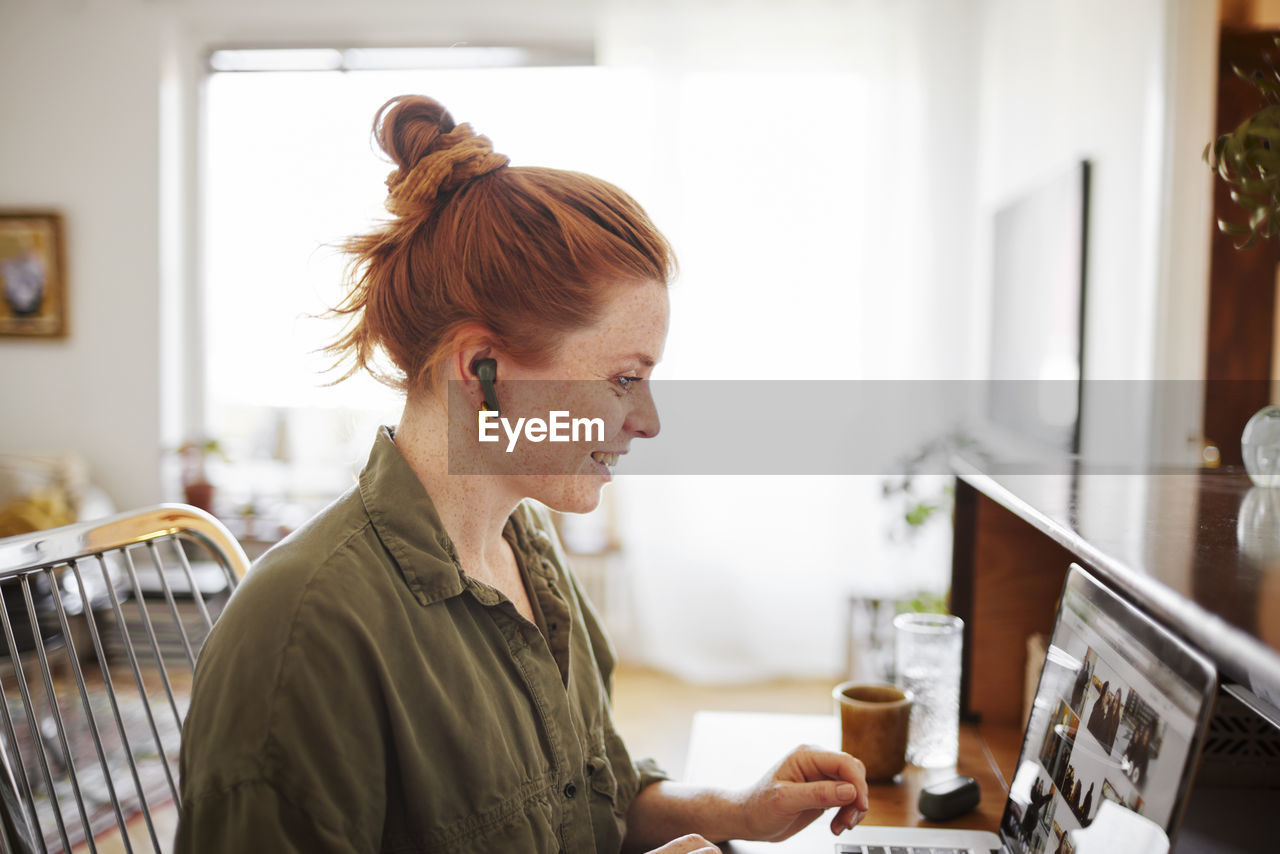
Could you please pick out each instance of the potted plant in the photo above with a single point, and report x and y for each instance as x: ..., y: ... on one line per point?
x: 197, y: 489
x: 1248, y: 160
x: 916, y: 506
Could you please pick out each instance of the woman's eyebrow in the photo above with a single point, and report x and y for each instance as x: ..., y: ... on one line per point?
x: 645, y: 361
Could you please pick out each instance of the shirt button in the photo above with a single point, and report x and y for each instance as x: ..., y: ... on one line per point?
x: 570, y: 790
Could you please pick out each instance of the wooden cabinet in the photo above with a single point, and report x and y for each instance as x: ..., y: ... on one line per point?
x: 1199, y: 551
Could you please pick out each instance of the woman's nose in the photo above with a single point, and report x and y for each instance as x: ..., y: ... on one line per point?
x: 642, y: 420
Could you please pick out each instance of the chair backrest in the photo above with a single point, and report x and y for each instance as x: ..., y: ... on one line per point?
x: 100, y: 624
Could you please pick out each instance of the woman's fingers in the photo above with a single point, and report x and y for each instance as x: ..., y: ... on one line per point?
x: 847, y: 818
x: 691, y: 844
x: 795, y: 798
x: 816, y: 763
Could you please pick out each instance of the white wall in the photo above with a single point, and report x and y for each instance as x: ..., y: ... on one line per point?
x: 80, y: 107
x: 85, y: 85
x: 1128, y: 86
x: 1131, y: 87
x: 1065, y: 81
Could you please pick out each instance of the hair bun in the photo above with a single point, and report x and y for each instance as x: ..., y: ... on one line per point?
x: 433, y: 155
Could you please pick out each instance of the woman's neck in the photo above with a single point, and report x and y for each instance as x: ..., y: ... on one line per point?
x: 473, y: 509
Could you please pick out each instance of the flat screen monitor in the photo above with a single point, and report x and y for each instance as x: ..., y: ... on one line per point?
x: 1037, y: 312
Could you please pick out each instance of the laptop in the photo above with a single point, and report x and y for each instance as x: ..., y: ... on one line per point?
x: 1119, y: 715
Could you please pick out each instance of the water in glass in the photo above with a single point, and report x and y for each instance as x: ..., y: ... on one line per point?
x: 928, y: 652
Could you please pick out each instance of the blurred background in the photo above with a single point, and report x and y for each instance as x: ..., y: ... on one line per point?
x: 828, y: 171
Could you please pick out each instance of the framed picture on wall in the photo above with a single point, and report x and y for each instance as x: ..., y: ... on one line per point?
x: 33, y: 293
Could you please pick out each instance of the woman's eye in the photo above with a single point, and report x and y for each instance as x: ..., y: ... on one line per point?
x: 625, y: 383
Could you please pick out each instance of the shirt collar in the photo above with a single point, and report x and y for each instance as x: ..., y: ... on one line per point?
x: 406, y: 522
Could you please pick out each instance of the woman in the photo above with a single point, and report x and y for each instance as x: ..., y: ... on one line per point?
x: 415, y: 669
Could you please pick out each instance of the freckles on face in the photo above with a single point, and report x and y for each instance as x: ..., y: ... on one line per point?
x: 634, y: 323
x: 622, y: 350
x: 607, y: 367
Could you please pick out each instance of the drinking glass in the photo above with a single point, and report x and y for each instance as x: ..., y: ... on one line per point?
x: 928, y: 665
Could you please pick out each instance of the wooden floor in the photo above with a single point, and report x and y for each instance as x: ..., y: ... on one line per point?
x: 652, y: 710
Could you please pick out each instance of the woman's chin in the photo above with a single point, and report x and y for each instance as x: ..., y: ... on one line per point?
x: 584, y: 503
x: 581, y: 495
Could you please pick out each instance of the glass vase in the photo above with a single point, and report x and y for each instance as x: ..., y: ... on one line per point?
x: 1260, y: 447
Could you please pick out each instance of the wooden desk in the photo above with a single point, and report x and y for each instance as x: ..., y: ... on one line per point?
x: 731, y: 749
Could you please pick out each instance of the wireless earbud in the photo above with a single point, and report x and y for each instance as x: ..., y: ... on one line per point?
x: 486, y: 370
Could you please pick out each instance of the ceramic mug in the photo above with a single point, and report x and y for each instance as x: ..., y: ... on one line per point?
x: 874, y: 723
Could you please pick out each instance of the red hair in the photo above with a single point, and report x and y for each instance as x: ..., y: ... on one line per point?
x: 523, y: 252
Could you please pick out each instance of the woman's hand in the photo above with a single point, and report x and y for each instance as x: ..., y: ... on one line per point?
x: 806, y: 783
x: 797, y: 790
x: 691, y: 844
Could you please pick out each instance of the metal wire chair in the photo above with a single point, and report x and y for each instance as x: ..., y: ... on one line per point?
x: 101, y: 623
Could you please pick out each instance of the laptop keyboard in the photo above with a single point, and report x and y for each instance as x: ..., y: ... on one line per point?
x: 896, y: 849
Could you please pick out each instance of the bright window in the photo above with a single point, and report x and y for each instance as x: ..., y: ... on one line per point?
x: 289, y: 172
x: 753, y: 176
x: 803, y: 251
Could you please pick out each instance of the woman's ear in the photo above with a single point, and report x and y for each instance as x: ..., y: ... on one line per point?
x: 473, y: 364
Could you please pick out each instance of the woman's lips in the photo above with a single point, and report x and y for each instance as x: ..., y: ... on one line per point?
x: 605, y: 461
x: 605, y: 458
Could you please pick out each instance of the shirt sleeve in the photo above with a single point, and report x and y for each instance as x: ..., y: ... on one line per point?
x: 649, y: 773
x: 283, y: 748
x: 254, y: 813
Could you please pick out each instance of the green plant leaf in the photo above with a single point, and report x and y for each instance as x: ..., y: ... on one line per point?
x: 1265, y: 86
x: 1253, y: 186
x: 1267, y: 132
x: 919, y: 514
x: 924, y: 603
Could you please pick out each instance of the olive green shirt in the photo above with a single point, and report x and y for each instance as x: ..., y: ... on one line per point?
x: 361, y: 693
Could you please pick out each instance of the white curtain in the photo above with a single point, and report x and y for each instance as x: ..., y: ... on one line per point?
x: 815, y: 175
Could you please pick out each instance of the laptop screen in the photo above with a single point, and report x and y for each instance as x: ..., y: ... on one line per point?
x: 1119, y: 714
